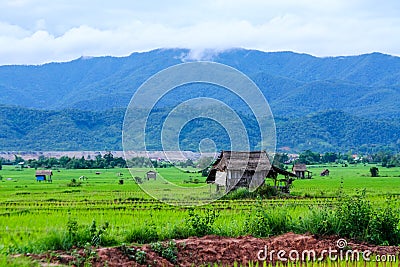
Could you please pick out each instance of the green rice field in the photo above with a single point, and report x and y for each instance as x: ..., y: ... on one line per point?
x: 31, y: 211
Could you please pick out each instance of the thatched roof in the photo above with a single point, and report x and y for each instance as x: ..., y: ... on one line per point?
x: 256, y: 161
x: 238, y: 160
x: 44, y: 172
x: 300, y: 167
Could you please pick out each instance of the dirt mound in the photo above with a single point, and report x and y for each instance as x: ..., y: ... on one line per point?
x: 196, y: 251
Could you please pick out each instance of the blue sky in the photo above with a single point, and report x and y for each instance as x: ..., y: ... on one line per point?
x: 40, y: 31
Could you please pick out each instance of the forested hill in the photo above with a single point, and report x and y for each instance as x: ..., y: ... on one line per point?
x: 323, y: 104
x: 23, y: 129
x: 294, y: 84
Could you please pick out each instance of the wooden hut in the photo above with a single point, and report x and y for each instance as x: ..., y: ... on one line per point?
x: 44, y: 175
x: 282, y: 184
x: 301, y: 171
x: 151, y: 175
x: 234, y: 169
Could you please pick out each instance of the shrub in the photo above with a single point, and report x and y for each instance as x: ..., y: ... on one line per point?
x: 354, y: 214
x: 74, y: 183
x: 138, y: 180
x: 374, y: 171
x: 263, y: 223
x: 239, y: 193
x: 264, y: 191
x: 320, y: 222
x: 167, y: 250
x: 143, y: 235
x: 384, y: 225
x: 257, y: 224
x: 267, y: 191
x: 134, y: 254
x: 180, y: 231
x: 201, y: 224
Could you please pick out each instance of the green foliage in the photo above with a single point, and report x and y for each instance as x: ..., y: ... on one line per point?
x: 384, y: 228
x: 83, y: 236
x: 37, y: 222
x: 168, y: 250
x: 187, y: 163
x: 201, y: 223
x: 85, y: 259
x: 141, y: 162
x: 263, y: 222
x: 355, y: 214
x: 309, y: 157
x: 147, y: 233
x: 107, y: 161
x: 20, y: 261
x: 204, y: 162
x: 137, y: 255
x: 263, y: 191
x: 300, y: 133
x: 266, y: 191
x: 74, y: 183
x: 319, y: 221
x: 374, y: 171
x: 240, y: 193
x: 96, y: 234
x: 138, y: 180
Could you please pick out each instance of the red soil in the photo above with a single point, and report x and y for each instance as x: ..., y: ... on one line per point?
x: 196, y: 251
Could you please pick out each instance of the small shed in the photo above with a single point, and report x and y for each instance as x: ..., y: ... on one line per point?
x: 21, y: 165
x: 301, y: 171
x: 151, y: 175
x: 233, y: 169
x: 325, y: 172
x: 44, y: 175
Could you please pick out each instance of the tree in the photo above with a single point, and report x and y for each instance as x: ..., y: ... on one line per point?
x: 329, y: 157
x: 18, y: 159
x: 204, y: 162
x: 109, y: 160
x: 309, y: 157
x: 280, y: 159
x: 1, y: 164
x: 189, y: 163
x: 374, y: 171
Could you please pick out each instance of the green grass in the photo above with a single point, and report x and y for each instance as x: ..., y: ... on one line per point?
x: 35, y: 212
x: 350, y: 179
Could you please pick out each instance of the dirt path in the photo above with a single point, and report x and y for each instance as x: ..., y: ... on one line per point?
x: 196, y: 251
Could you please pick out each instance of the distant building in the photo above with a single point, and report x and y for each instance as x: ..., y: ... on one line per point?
x: 151, y: 175
x: 301, y: 171
x: 44, y: 175
x: 325, y: 172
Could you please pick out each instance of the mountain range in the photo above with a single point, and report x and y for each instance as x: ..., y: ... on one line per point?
x: 331, y: 103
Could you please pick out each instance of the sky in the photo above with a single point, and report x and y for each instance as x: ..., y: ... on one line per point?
x: 42, y: 31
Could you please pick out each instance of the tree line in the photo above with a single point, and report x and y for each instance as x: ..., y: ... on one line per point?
x: 99, y: 162
x: 386, y: 158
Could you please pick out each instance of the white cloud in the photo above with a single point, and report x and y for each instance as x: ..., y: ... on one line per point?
x: 33, y: 33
